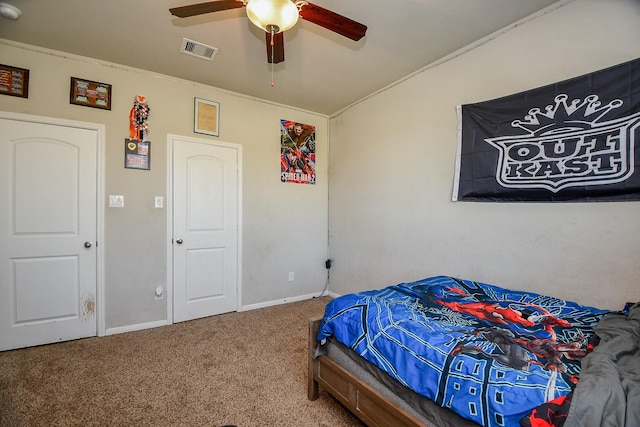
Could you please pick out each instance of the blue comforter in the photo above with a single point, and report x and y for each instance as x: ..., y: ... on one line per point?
x: 488, y: 353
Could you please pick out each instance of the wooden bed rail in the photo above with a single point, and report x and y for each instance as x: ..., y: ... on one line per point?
x: 312, y: 383
x: 367, y: 403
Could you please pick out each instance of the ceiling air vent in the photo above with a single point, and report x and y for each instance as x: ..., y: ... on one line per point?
x: 200, y: 50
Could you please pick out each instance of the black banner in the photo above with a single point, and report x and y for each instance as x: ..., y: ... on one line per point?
x: 577, y: 140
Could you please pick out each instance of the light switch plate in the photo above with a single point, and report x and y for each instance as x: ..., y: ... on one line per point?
x: 159, y: 202
x: 116, y: 201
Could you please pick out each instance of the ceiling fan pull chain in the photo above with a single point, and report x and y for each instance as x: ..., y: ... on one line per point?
x: 272, y: 57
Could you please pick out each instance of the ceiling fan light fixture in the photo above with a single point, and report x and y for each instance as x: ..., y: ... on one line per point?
x: 276, y: 15
x: 9, y: 11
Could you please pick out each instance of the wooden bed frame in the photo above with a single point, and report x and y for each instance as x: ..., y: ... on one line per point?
x: 367, y: 403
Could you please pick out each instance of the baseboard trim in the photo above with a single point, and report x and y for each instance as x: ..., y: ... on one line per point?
x: 136, y: 327
x: 158, y: 323
x: 280, y: 301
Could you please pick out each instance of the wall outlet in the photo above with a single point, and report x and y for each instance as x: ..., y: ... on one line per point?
x: 291, y: 276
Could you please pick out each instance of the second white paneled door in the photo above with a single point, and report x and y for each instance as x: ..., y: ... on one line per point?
x: 205, y: 211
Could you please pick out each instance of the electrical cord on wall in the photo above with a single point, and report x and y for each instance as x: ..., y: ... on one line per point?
x: 326, y: 285
x: 328, y: 263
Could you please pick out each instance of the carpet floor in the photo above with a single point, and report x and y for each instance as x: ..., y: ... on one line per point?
x: 244, y: 369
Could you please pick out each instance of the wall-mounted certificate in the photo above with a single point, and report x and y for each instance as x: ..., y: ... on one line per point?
x: 14, y: 81
x: 90, y: 94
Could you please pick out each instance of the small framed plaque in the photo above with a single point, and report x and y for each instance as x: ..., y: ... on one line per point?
x: 90, y: 94
x: 206, y: 117
x: 14, y: 81
x: 137, y: 154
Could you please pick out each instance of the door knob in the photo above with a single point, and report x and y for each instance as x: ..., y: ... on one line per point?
x: 179, y: 241
x: 87, y: 245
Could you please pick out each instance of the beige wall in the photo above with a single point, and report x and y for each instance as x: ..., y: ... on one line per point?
x: 392, y: 169
x: 391, y: 217
x: 284, y: 225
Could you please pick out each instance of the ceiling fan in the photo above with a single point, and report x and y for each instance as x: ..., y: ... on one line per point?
x: 277, y: 16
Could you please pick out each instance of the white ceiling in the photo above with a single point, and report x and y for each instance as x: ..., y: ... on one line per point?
x: 323, y: 72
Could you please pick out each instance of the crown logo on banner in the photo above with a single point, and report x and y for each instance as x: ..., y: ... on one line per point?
x: 568, y: 144
x: 580, y: 114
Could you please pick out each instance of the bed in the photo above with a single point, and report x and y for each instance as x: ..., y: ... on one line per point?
x: 450, y: 352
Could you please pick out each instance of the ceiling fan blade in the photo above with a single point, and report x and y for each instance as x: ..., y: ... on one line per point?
x: 332, y: 21
x: 206, y: 7
x: 276, y: 55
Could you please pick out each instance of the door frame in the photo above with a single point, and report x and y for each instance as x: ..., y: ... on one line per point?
x: 100, y: 191
x: 169, y: 210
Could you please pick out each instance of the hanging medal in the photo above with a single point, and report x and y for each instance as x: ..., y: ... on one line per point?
x: 137, y: 150
x: 139, y: 118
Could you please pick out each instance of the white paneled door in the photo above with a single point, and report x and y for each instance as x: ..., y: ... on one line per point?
x: 48, y: 229
x: 206, y: 194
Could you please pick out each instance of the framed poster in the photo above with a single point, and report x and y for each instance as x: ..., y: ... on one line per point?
x: 137, y: 154
x: 14, y: 81
x: 297, y: 152
x: 206, y: 117
x: 90, y: 94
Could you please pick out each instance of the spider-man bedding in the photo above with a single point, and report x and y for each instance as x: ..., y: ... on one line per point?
x: 488, y: 353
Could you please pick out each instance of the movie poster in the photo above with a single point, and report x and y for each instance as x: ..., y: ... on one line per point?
x: 297, y: 152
